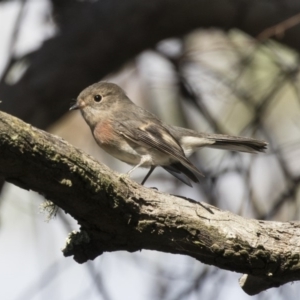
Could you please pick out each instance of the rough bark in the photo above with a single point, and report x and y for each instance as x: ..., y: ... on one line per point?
x: 116, y: 213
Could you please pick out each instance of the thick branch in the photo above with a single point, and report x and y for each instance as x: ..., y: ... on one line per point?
x: 118, y: 214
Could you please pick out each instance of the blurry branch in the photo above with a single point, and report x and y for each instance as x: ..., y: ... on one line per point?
x: 116, y: 213
x: 280, y: 29
x: 14, y: 38
x: 106, y: 35
x: 286, y: 75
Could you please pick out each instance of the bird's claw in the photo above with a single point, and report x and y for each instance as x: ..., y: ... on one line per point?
x: 122, y: 177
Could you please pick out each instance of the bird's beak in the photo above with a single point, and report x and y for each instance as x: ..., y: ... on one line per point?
x: 75, y: 106
x: 79, y: 104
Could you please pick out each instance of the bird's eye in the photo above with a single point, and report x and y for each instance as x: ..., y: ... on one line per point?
x: 97, y: 98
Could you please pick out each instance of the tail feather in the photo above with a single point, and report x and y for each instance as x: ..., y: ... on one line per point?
x: 179, y: 168
x: 239, y: 144
x: 180, y: 176
x: 191, y: 140
x: 191, y: 143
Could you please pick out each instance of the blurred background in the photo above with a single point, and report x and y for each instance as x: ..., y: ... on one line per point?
x: 206, y: 66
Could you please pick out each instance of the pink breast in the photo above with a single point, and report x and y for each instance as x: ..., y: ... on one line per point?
x: 104, y: 133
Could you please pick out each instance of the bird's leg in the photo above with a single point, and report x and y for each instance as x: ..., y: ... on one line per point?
x: 144, y: 159
x: 148, y: 174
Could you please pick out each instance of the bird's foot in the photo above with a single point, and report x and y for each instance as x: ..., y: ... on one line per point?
x: 123, y: 177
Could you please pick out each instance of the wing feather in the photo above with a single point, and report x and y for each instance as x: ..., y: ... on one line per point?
x: 159, y: 138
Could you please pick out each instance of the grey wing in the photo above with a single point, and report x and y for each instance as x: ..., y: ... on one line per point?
x: 155, y: 135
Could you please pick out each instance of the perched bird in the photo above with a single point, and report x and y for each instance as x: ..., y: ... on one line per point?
x: 137, y: 137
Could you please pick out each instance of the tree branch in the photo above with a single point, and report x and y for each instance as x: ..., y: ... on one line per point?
x: 116, y: 213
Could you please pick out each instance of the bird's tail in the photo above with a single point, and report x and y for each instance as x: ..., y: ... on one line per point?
x: 235, y: 143
x: 190, y: 142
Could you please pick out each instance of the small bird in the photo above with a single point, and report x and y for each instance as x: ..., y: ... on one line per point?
x: 137, y: 137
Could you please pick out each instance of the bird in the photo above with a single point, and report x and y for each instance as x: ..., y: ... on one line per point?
x: 139, y: 138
